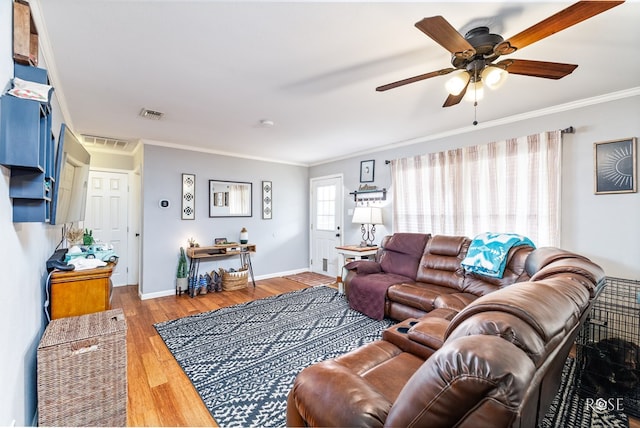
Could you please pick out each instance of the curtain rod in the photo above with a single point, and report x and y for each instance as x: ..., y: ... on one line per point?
x: 569, y: 130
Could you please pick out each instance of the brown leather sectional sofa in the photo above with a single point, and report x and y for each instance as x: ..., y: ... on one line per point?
x: 469, y: 351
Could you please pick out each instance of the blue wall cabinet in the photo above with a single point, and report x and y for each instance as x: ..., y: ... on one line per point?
x: 27, y: 147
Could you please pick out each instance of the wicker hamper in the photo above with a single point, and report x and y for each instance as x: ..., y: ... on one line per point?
x: 234, y: 280
x: 82, y: 371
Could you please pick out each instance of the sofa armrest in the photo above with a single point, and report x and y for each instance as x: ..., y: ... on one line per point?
x: 364, y: 267
x: 429, y: 332
x: 329, y: 394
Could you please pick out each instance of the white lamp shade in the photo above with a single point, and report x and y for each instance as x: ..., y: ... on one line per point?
x: 475, y: 92
x: 367, y: 215
x: 493, y: 77
x: 457, y: 83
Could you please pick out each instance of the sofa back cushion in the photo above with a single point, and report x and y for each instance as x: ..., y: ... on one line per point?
x: 401, y: 252
x: 514, y: 271
x: 588, y: 273
x: 534, y: 316
x: 472, y: 381
x: 440, y: 263
x: 542, y: 256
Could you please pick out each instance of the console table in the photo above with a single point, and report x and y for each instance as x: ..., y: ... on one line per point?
x: 243, y: 251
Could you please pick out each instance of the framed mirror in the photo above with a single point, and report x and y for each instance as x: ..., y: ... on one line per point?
x: 230, y: 198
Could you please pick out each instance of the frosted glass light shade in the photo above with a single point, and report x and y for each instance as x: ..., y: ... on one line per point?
x: 367, y: 215
x: 457, y: 83
x: 475, y: 92
x: 493, y: 77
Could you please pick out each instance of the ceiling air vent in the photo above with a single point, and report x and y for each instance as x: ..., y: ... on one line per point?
x: 107, y: 143
x: 151, y: 114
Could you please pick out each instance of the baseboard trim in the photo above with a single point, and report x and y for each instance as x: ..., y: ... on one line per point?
x: 172, y: 292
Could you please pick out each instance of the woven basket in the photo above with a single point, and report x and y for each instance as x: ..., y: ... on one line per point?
x: 82, y: 371
x: 234, y: 280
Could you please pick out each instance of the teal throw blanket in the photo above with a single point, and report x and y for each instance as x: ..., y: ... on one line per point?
x: 488, y: 252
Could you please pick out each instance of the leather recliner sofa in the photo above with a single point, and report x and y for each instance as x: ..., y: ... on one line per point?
x: 495, y: 363
x: 415, y: 273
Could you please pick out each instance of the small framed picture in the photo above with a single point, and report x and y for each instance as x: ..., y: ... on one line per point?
x: 220, y: 241
x: 615, y: 169
x: 367, y: 171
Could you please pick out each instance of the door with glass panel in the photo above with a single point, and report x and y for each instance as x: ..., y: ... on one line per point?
x: 326, y: 224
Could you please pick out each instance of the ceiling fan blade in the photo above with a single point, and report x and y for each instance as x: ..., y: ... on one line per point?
x: 414, y: 79
x: 548, y: 70
x: 446, y: 36
x: 572, y: 15
x: 455, y: 99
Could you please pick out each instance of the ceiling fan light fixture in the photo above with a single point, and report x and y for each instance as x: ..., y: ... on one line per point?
x: 458, y: 82
x: 475, y: 92
x: 494, y: 77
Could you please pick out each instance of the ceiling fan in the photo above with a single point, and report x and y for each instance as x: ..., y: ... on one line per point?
x: 473, y: 56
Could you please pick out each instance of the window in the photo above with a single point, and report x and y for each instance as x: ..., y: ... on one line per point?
x: 506, y: 186
x: 326, y: 207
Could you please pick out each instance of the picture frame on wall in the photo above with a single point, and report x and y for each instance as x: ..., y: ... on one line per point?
x: 230, y: 198
x: 188, y: 197
x: 367, y: 170
x: 615, y: 166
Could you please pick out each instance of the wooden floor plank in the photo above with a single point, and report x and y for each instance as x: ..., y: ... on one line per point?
x: 160, y: 394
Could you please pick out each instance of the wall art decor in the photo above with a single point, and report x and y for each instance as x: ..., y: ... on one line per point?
x: 367, y: 171
x: 267, y: 200
x: 229, y: 198
x: 615, y: 166
x: 188, y: 196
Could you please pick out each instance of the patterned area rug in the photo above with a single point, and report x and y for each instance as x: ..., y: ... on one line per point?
x: 312, y: 279
x: 570, y: 409
x: 242, y: 359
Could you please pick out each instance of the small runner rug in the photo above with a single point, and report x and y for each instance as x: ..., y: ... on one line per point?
x: 243, y: 359
x: 311, y: 279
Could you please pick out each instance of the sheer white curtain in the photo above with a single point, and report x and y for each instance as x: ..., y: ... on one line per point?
x: 239, y: 198
x: 506, y: 186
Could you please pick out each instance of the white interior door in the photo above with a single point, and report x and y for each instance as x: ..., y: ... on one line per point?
x: 326, y: 224
x: 107, y: 209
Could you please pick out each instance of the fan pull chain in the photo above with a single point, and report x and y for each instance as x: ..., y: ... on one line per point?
x: 475, y: 113
x: 475, y: 106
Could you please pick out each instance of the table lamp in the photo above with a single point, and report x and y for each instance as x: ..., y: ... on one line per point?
x: 368, y: 217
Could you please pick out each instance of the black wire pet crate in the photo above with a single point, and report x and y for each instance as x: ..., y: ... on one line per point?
x: 608, y: 347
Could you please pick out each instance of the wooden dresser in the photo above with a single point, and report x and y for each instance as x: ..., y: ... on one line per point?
x: 81, y: 292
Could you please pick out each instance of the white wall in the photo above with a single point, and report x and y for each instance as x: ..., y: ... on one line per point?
x: 282, y: 242
x: 25, y: 248
x: 602, y: 227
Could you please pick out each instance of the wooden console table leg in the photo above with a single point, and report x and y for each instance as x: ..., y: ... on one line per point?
x: 246, y: 259
x: 194, y: 267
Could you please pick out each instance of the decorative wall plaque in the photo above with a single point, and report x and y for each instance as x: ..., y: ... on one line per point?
x: 188, y: 196
x: 267, y: 200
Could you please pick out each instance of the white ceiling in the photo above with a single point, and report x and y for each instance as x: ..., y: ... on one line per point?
x: 216, y: 69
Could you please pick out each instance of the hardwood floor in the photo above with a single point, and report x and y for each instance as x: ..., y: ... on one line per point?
x: 160, y: 394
